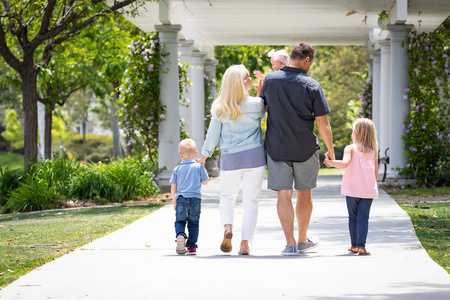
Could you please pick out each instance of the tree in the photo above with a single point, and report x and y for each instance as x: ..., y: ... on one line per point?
x: 30, y: 30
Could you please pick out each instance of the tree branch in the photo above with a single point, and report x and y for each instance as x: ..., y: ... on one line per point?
x: 6, y: 52
x: 47, y: 16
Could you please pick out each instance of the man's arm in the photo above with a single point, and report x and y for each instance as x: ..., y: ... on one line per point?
x: 323, y: 125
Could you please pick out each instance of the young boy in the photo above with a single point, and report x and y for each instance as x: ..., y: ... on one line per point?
x: 186, y: 182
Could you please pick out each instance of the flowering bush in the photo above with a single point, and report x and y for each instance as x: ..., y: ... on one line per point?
x: 427, y: 130
x: 140, y: 108
x: 365, y: 110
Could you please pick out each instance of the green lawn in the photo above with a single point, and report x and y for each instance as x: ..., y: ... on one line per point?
x: 331, y: 171
x: 432, y: 225
x: 29, y: 240
x: 15, y: 161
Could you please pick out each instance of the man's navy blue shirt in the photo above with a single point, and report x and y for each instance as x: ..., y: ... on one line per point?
x: 293, y: 101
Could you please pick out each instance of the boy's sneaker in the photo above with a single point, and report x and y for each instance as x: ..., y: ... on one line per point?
x: 289, y: 250
x: 191, y: 250
x: 311, y: 244
x: 181, y: 244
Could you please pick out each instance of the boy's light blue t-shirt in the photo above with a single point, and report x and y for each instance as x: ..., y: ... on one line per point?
x: 188, y: 176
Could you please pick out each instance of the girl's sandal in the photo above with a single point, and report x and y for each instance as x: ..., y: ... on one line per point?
x: 363, y: 251
x: 226, y: 243
x: 353, y: 249
x: 244, y: 250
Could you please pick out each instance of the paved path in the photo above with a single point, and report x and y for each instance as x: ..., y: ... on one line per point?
x: 139, y: 261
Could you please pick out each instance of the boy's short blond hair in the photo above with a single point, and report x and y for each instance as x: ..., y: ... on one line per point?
x: 187, y: 147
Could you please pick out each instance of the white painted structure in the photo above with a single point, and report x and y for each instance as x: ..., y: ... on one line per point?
x: 198, y: 25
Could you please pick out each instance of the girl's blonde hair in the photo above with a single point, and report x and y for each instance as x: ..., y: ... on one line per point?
x: 365, y: 135
x: 232, y: 94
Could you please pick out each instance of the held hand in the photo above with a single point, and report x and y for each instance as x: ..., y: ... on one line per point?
x: 330, y: 156
x: 202, y: 160
x: 326, y: 161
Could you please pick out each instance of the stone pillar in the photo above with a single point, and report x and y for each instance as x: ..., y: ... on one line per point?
x: 385, y: 109
x: 400, y: 107
x: 185, y: 47
x: 198, y: 98
x: 169, y: 127
x: 376, y: 55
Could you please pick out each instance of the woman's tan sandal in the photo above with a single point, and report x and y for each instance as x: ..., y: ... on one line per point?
x: 353, y: 249
x: 244, y: 250
x: 363, y: 251
x: 226, y: 243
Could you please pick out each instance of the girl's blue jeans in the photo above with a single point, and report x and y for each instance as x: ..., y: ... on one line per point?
x: 358, y: 219
x: 188, y: 211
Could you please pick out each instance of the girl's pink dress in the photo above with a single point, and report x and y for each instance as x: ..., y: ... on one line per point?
x: 359, y: 177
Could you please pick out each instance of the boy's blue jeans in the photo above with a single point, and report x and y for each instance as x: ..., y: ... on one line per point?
x: 358, y: 219
x: 188, y: 211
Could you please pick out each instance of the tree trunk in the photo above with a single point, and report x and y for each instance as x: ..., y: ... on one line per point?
x: 30, y: 99
x: 48, y: 132
x: 83, y: 128
x: 114, y: 124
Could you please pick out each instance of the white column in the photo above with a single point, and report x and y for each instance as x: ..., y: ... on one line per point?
x: 400, y: 107
x: 385, y: 109
x: 185, y: 47
x: 169, y: 127
x: 198, y: 98
x: 41, y: 127
x: 376, y: 55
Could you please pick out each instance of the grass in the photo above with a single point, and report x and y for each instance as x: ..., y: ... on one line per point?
x: 24, y: 235
x: 421, y: 191
x: 15, y: 161
x: 431, y: 222
x: 331, y: 171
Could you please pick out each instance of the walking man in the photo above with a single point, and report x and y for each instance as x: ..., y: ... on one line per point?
x: 294, y: 101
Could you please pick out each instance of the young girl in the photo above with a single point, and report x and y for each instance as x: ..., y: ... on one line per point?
x: 359, y: 183
x: 236, y: 127
x: 278, y: 59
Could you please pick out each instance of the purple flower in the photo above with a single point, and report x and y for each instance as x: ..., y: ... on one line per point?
x: 407, y: 90
x: 444, y: 55
x: 424, y: 127
x: 415, y: 69
x: 434, y: 62
x: 417, y: 109
x: 150, y: 68
x: 405, y: 97
x: 140, y: 81
x: 157, y: 179
x: 162, y: 47
x: 149, y: 118
x: 145, y: 58
x: 132, y: 150
x: 135, y: 107
x: 162, y: 116
x: 161, y: 63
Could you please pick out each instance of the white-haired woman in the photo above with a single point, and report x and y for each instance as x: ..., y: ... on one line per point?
x: 236, y: 127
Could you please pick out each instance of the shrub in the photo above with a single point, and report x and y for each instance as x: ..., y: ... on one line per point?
x: 94, y: 185
x: 427, y: 132
x: 96, y: 148
x: 9, y: 181
x: 132, y: 178
x: 33, y: 193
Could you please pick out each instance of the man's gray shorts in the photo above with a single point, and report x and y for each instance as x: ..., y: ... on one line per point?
x: 281, y: 175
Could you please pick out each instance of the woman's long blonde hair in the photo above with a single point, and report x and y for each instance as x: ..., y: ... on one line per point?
x: 232, y: 94
x: 364, y: 135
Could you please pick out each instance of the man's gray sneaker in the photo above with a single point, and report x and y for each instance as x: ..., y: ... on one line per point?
x: 311, y: 244
x: 289, y: 250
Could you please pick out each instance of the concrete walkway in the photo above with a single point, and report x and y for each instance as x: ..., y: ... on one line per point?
x: 139, y: 261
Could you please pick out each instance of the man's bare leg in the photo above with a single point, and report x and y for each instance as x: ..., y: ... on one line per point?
x: 303, y: 213
x: 285, y: 211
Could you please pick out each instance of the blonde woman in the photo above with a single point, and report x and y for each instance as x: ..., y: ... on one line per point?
x: 236, y: 127
x: 359, y: 182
